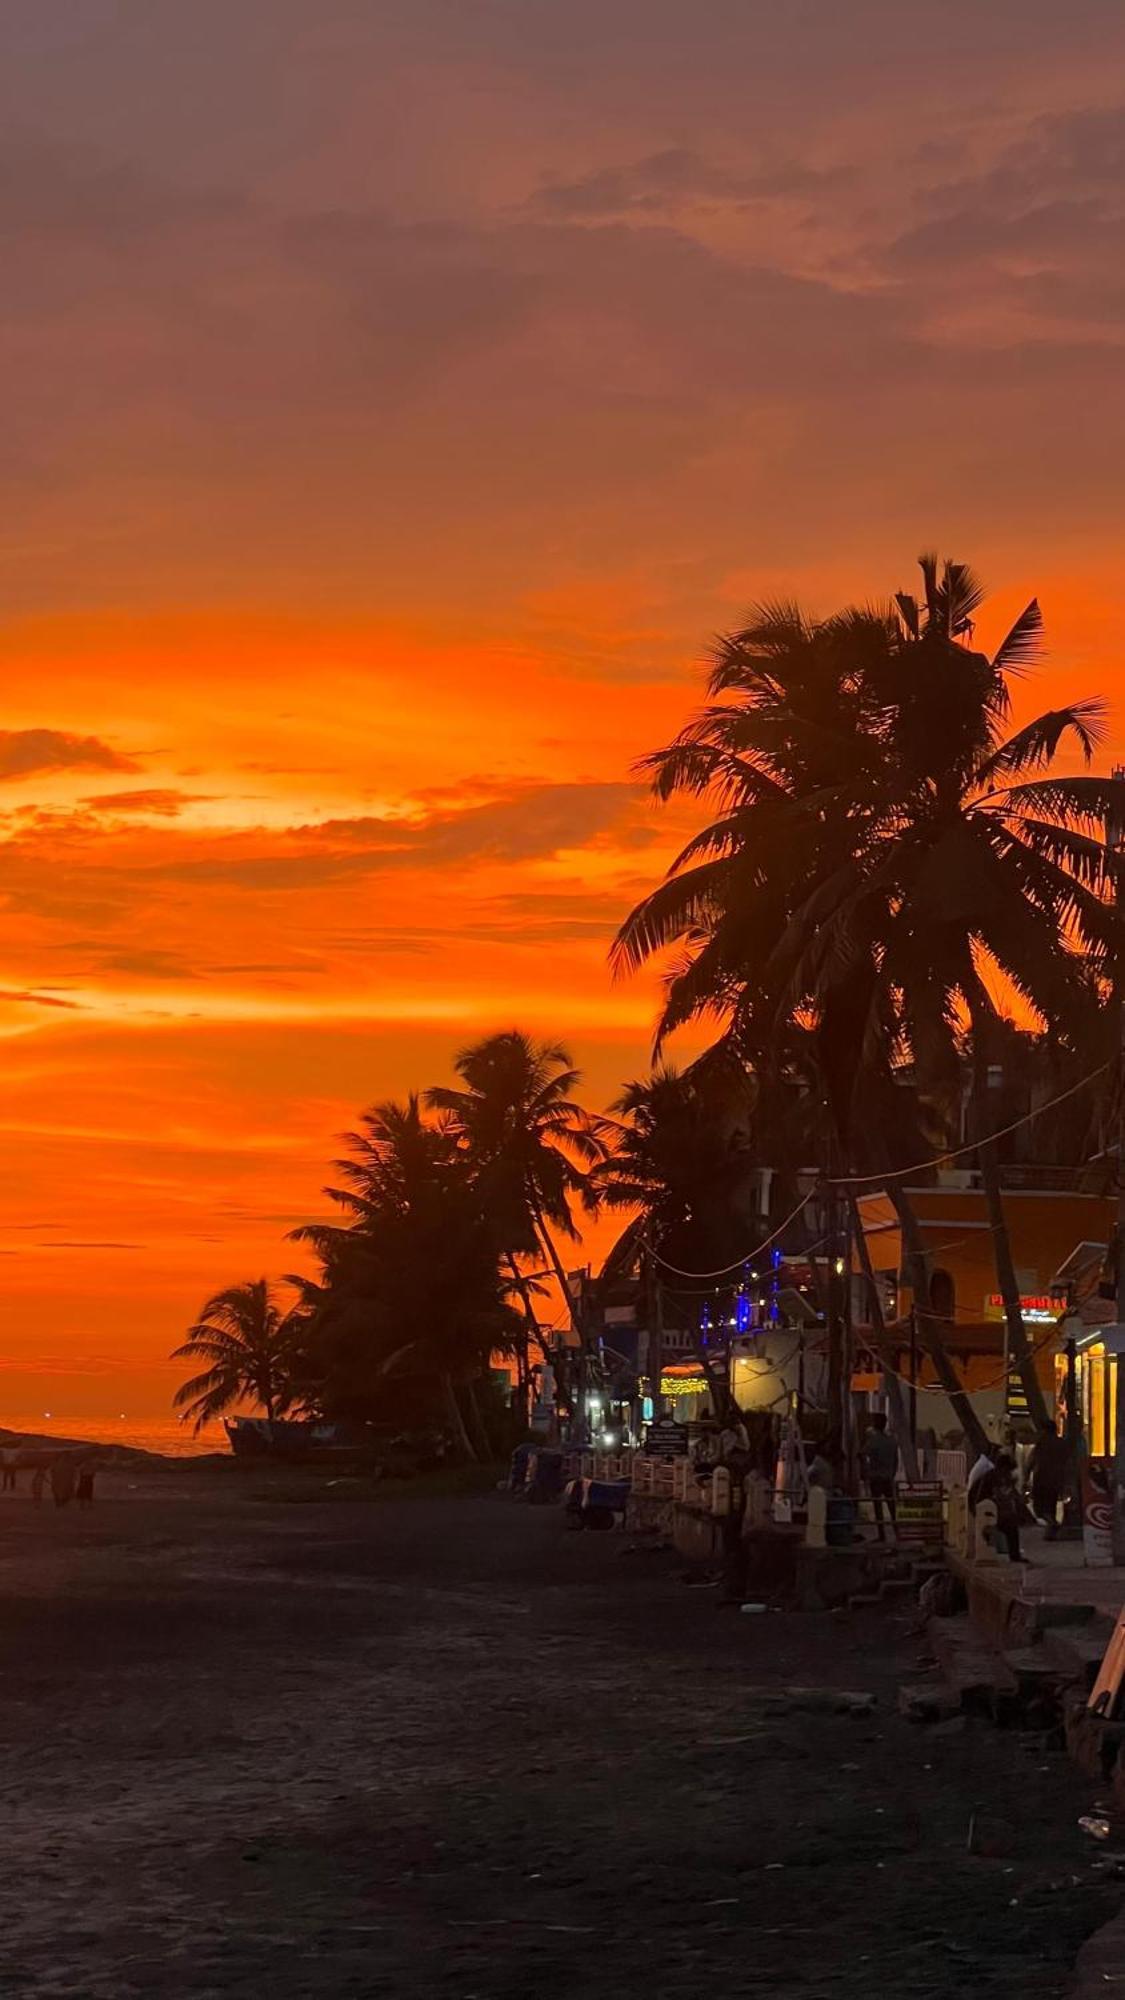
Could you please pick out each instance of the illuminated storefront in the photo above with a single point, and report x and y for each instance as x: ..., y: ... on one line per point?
x: 1095, y: 1371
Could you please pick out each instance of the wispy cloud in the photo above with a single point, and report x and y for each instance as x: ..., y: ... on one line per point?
x: 26, y: 751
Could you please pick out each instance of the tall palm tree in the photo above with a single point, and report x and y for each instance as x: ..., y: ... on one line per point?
x: 678, y: 1155
x: 679, y: 1160
x: 247, y: 1340
x: 410, y: 1283
x: 887, y: 857
x: 528, y: 1141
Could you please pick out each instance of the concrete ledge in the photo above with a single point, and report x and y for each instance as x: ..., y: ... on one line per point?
x: 647, y: 1512
x: 696, y: 1534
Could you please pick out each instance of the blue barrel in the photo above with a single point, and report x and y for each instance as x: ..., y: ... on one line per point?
x: 839, y: 1528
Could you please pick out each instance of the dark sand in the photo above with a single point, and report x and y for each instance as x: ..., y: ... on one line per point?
x: 419, y: 1746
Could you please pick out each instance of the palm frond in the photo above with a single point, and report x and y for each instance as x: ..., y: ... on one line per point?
x: 1023, y: 644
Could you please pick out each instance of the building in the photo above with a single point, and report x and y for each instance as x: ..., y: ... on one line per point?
x: 1048, y: 1211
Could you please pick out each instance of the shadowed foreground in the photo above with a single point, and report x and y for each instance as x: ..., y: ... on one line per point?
x: 444, y: 1747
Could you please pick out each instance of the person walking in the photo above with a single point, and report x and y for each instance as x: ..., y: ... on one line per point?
x: 9, y: 1459
x: 880, y: 1465
x: 1046, y: 1470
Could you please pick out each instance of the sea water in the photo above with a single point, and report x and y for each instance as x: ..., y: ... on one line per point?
x: 172, y: 1439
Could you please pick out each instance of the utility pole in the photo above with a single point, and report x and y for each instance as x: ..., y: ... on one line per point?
x: 655, y: 1318
x: 835, y: 1328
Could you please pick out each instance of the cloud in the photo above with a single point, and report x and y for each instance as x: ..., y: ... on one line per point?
x: 24, y: 751
x: 536, y: 822
x: 71, y: 1243
x: 162, y: 804
x: 667, y: 179
x: 32, y: 999
x: 1035, y: 236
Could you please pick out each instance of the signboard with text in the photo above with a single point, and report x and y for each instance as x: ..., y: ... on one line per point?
x: 1036, y: 1308
x: 920, y: 1514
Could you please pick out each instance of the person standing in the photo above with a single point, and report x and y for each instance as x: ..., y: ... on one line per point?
x: 1000, y: 1487
x: 38, y: 1482
x: 1046, y: 1468
x: 982, y: 1468
x: 9, y: 1459
x: 62, y: 1480
x: 880, y: 1465
x: 85, y: 1491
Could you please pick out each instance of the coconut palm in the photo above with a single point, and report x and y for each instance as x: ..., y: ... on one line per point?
x: 888, y: 859
x: 410, y: 1284
x: 529, y: 1143
x: 246, y: 1338
x: 679, y: 1157
x: 678, y: 1160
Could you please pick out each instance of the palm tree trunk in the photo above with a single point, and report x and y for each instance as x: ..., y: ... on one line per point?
x: 483, y: 1441
x: 1019, y: 1353
x: 900, y: 1422
x: 523, y: 1358
x: 581, y: 1413
x: 655, y: 1318
x: 456, y: 1420
x: 917, y: 1266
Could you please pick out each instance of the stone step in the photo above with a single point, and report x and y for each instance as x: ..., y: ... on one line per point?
x: 1076, y: 1651
x: 922, y: 1571
x: 928, y: 1701
x: 970, y: 1665
x: 1031, y: 1665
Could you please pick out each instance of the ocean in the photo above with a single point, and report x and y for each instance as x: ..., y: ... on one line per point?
x: 167, y: 1436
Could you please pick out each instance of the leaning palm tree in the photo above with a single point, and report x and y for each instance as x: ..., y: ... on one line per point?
x: 887, y: 859
x: 247, y: 1340
x: 529, y: 1143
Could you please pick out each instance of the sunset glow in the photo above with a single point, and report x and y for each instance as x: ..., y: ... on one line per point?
x: 377, y: 467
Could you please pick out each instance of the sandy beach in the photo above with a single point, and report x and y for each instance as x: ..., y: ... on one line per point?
x: 438, y: 1746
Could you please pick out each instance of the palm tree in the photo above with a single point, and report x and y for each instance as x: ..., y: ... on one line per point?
x: 410, y: 1284
x: 678, y: 1151
x: 247, y: 1340
x: 529, y: 1145
x: 679, y: 1160
x: 887, y: 859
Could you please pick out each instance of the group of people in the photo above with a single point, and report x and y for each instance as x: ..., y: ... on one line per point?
x: 993, y: 1477
x: 69, y: 1478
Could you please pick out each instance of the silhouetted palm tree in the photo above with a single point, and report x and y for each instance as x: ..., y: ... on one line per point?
x: 247, y: 1340
x: 679, y: 1156
x: 410, y: 1284
x: 886, y: 857
x: 528, y: 1142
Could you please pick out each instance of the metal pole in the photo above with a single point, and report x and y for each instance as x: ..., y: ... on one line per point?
x: 835, y: 1441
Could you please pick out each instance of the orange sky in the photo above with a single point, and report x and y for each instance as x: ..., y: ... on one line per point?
x: 397, y: 396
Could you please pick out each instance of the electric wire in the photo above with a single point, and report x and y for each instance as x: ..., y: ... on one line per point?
x: 973, y: 1145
